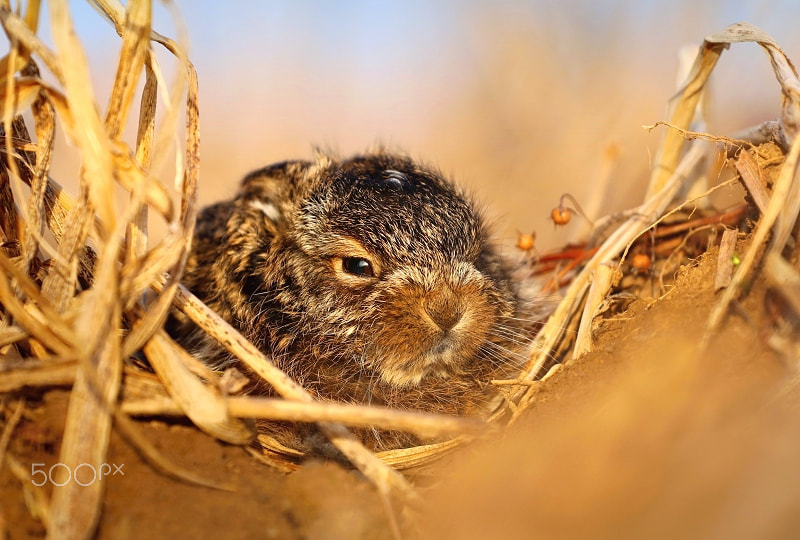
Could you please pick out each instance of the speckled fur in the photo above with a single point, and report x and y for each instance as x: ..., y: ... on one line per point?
x: 266, y: 262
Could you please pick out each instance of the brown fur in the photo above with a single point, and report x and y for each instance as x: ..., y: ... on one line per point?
x: 270, y: 261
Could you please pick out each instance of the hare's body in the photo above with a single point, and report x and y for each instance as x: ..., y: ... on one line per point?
x: 370, y: 280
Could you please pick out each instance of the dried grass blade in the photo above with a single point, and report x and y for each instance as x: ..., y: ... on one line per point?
x: 385, y: 479
x: 17, y: 97
x: 9, y: 230
x: 30, y: 42
x: 784, y: 70
x: 750, y: 172
x: 58, y: 206
x: 61, y: 281
x: 135, y: 43
x: 75, y: 509
x: 206, y: 409
x: 115, y: 11
x: 138, y: 275
x: 147, y: 117
x: 785, y: 222
x: 192, y: 157
x: 21, y: 164
x: 135, y: 180
x: 14, y: 62
x: 409, y: 458
x: 59, y: 374
x: 136, y: 235
x: 12, y: 334
x: 91, y: 138
x: 682, y: 110
x: 54, y: 333
x: 32, y: 15
x: 602, y: 279
x: 151, y: 406
x: 44, y: 118
x: 157, y: 312
x: 147, y: 325
x: 423, y: 424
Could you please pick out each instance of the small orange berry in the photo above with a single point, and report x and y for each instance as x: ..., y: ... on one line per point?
x: 525, y: 242
x: 641, y: 261
x: 560, y: 215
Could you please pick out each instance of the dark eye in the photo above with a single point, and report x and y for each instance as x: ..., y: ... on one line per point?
x: 357, y: 266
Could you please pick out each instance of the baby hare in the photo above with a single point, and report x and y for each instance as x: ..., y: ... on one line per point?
x: 368, y: 280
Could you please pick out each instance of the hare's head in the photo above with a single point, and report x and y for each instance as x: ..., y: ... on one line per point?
x: 384, y: 263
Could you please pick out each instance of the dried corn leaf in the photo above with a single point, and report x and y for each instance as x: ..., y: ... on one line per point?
x: 410, y: 458
x: 682, y: 109
x: 423, y: 424
x: 784, y: 70
x: 206, y: 409
x: 135, y: 44
x: 602, y: 279
x: 750, y: 173
x: 18, y: 97
x: 26, y: 37
x: 44, y: 116
x: 13, y: 63
x: 56, y: 374
x: 787, y: 180
x: 91, y: 138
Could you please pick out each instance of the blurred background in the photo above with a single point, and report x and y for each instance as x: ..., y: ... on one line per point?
x: 521, y: 101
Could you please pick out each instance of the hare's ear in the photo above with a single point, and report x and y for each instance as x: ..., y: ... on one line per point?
x: 275, y: 183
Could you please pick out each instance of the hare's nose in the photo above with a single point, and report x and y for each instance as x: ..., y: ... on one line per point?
x: 444, y: 308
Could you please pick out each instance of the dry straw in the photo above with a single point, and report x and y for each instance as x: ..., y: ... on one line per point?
x: 676, y: 168
x: 83, y: 285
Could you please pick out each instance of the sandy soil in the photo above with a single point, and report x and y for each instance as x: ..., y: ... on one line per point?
x: 648, y: 436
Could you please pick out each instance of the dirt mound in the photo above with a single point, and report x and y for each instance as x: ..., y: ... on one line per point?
x: 650, y: 435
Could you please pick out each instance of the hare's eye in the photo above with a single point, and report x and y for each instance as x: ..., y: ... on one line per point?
x: 357, y: 266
